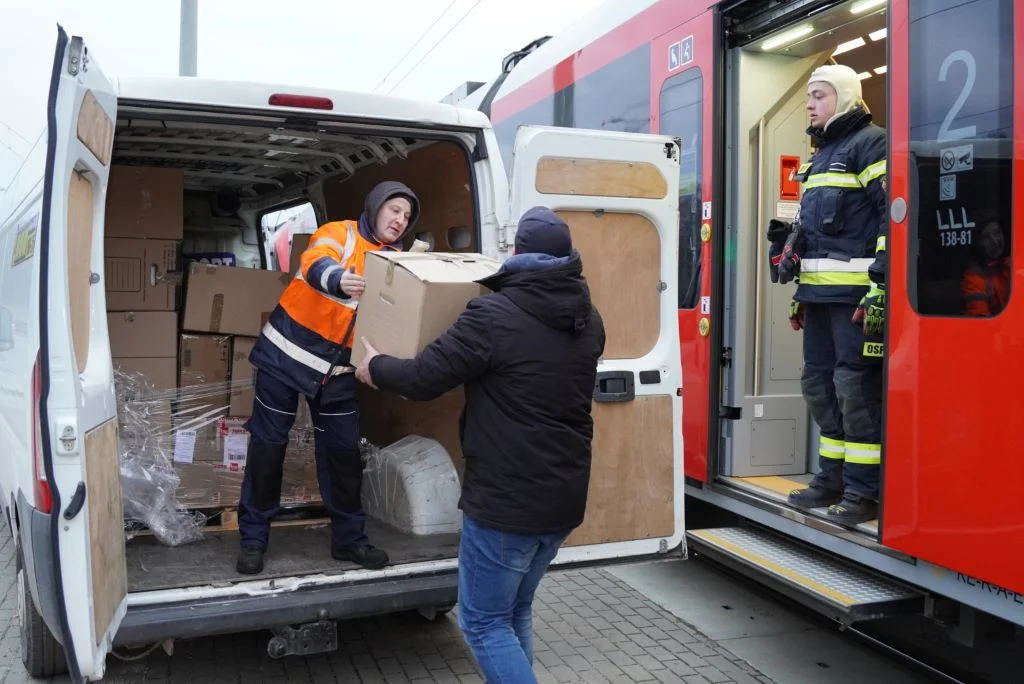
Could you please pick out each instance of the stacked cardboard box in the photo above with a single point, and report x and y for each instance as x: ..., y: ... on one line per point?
x: 184, y: 341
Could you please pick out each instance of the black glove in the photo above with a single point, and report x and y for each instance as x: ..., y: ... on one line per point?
x: 789, y: 260
x: 777, y: 233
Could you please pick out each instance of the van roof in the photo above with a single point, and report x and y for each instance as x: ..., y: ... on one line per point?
x: 234, y: 94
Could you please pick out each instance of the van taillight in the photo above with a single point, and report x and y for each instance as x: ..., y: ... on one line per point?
x: 44, y: 501
x: 301, y: 101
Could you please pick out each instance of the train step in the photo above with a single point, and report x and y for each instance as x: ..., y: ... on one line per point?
x: 836, y: 588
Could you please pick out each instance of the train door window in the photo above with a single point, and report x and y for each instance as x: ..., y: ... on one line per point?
x: 682, y: 99
x: 961, y: 132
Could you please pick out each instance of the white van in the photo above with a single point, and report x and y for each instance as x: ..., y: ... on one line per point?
x: 83, y: 588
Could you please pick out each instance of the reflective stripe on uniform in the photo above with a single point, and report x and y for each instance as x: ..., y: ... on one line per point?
x: 863, y: 453
x: 832, y: 448
x: 834, y: 272
x: 325, y: 277
x: 331, y: 242
x: 876, y: 170
x: 297, y: 353
x: 880, y: 244
x: 832, y: 180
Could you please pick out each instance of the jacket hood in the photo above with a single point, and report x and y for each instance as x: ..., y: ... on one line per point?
x: 380, y: 194
x: 551, y: 289
x: 842, y: 126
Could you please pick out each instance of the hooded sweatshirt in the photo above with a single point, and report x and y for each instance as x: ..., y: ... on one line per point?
x: 380, y: 194
x: 527, y: 355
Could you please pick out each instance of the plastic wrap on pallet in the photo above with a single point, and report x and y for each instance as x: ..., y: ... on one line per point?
x: 412, y: 485
x: 149, y: 483
x: 180, y: 450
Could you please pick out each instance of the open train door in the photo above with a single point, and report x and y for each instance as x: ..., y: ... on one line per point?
x: 79, y: 435
x: 619, y: 194
x: 953, y: 480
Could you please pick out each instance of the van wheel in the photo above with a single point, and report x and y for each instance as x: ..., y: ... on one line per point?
x: 42, y: 655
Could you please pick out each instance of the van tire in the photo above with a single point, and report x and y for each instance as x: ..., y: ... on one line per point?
x: 42, y: 655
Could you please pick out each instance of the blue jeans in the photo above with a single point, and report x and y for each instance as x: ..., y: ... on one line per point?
x: 498, y: 575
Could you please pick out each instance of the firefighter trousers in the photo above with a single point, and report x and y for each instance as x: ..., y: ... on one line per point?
x: 843, y: 391
x: 339, y: 465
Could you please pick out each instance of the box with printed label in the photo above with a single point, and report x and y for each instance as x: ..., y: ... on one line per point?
x: 229, y: 300
x: 141, y: 275
x: 145, y: 202
x: 412, y: 298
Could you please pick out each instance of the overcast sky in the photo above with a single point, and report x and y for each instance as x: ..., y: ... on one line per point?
x: 343, y: 44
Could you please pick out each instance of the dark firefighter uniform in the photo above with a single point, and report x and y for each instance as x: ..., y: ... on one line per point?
x: 304, y: 349
x: 839, y: 253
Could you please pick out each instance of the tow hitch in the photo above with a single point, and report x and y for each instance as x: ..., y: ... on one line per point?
x: 313, y: 637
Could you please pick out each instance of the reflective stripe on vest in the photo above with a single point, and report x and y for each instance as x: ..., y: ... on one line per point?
x: 835, y: 271
x: 835, y: 179
x: 297, y: 353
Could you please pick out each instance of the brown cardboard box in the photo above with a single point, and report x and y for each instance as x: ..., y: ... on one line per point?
x: 160, y: 373
x: 145, y: 202
x: 412, y: 298
x: 300, y: 241
x: 241, y: 377
x: 141, y: 275
x: 143, y: 334
x: 202, y: 380
x: 232, y: 301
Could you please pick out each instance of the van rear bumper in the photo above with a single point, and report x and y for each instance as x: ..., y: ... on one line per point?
x: 147, y: 624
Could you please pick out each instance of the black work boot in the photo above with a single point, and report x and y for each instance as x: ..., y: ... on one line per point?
x: 814, y: 496
x: 853, y: 510
x: 250, y: 561
x: 368, y: 556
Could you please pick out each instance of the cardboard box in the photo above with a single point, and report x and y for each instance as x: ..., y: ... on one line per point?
x: 412, y: 298
x: 232, y: 301
x: 145, y: 202
x: 203, y: 378
x: 242, y: 394
x: 143, y: 334
x: 160, y: 373
x: 141, y: 275
x: 300, y: 241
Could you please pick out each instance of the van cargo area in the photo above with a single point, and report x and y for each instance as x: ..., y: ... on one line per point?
x: 203, y: 210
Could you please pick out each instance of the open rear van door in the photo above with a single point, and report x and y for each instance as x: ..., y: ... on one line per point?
x: 619, y: 194
x: 79, y: 435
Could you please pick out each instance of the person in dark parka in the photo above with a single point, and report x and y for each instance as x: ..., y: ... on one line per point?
x: 527, y: 354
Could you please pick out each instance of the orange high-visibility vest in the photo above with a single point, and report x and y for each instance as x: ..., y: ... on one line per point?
x: 308, y: 336
x: 985, y: 288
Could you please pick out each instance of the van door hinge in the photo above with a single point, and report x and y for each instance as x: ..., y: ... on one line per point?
x: 68, y: 439
x: 503, y: 231
x: 77, y: 56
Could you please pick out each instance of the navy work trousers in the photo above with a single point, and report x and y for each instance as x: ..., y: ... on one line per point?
x: 843, y: 391
x: 339, y: 465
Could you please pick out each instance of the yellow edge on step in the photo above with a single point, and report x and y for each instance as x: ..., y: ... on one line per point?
x: 775, y: 567
x: 774, y: 483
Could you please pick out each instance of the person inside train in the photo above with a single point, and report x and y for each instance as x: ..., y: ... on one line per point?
x: 305, y: 349
x: 986, y: 282
x: 836, y: 249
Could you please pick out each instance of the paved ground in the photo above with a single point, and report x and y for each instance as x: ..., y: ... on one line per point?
x: 590, y: 626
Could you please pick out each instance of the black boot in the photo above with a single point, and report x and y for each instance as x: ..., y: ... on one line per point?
x: 250, y: 561
x: 815, y: 496
x: 367, y: 555
x: 853, y: 510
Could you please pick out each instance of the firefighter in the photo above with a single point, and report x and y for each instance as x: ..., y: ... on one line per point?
x: 837, y: 250
x: 304, y: 349
x: 986, y: 283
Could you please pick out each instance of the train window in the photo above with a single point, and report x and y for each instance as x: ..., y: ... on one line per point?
x: 961, y: 132
x: 539, y: 114
x: 682, y: 98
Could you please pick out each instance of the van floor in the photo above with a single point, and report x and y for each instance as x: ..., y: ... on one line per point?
x: 294, y: 550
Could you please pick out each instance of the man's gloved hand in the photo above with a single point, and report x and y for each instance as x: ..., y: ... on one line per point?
x: 777, y: 233
x: 789, y: 260
x: 871, y: 311
x: 796, y: 315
